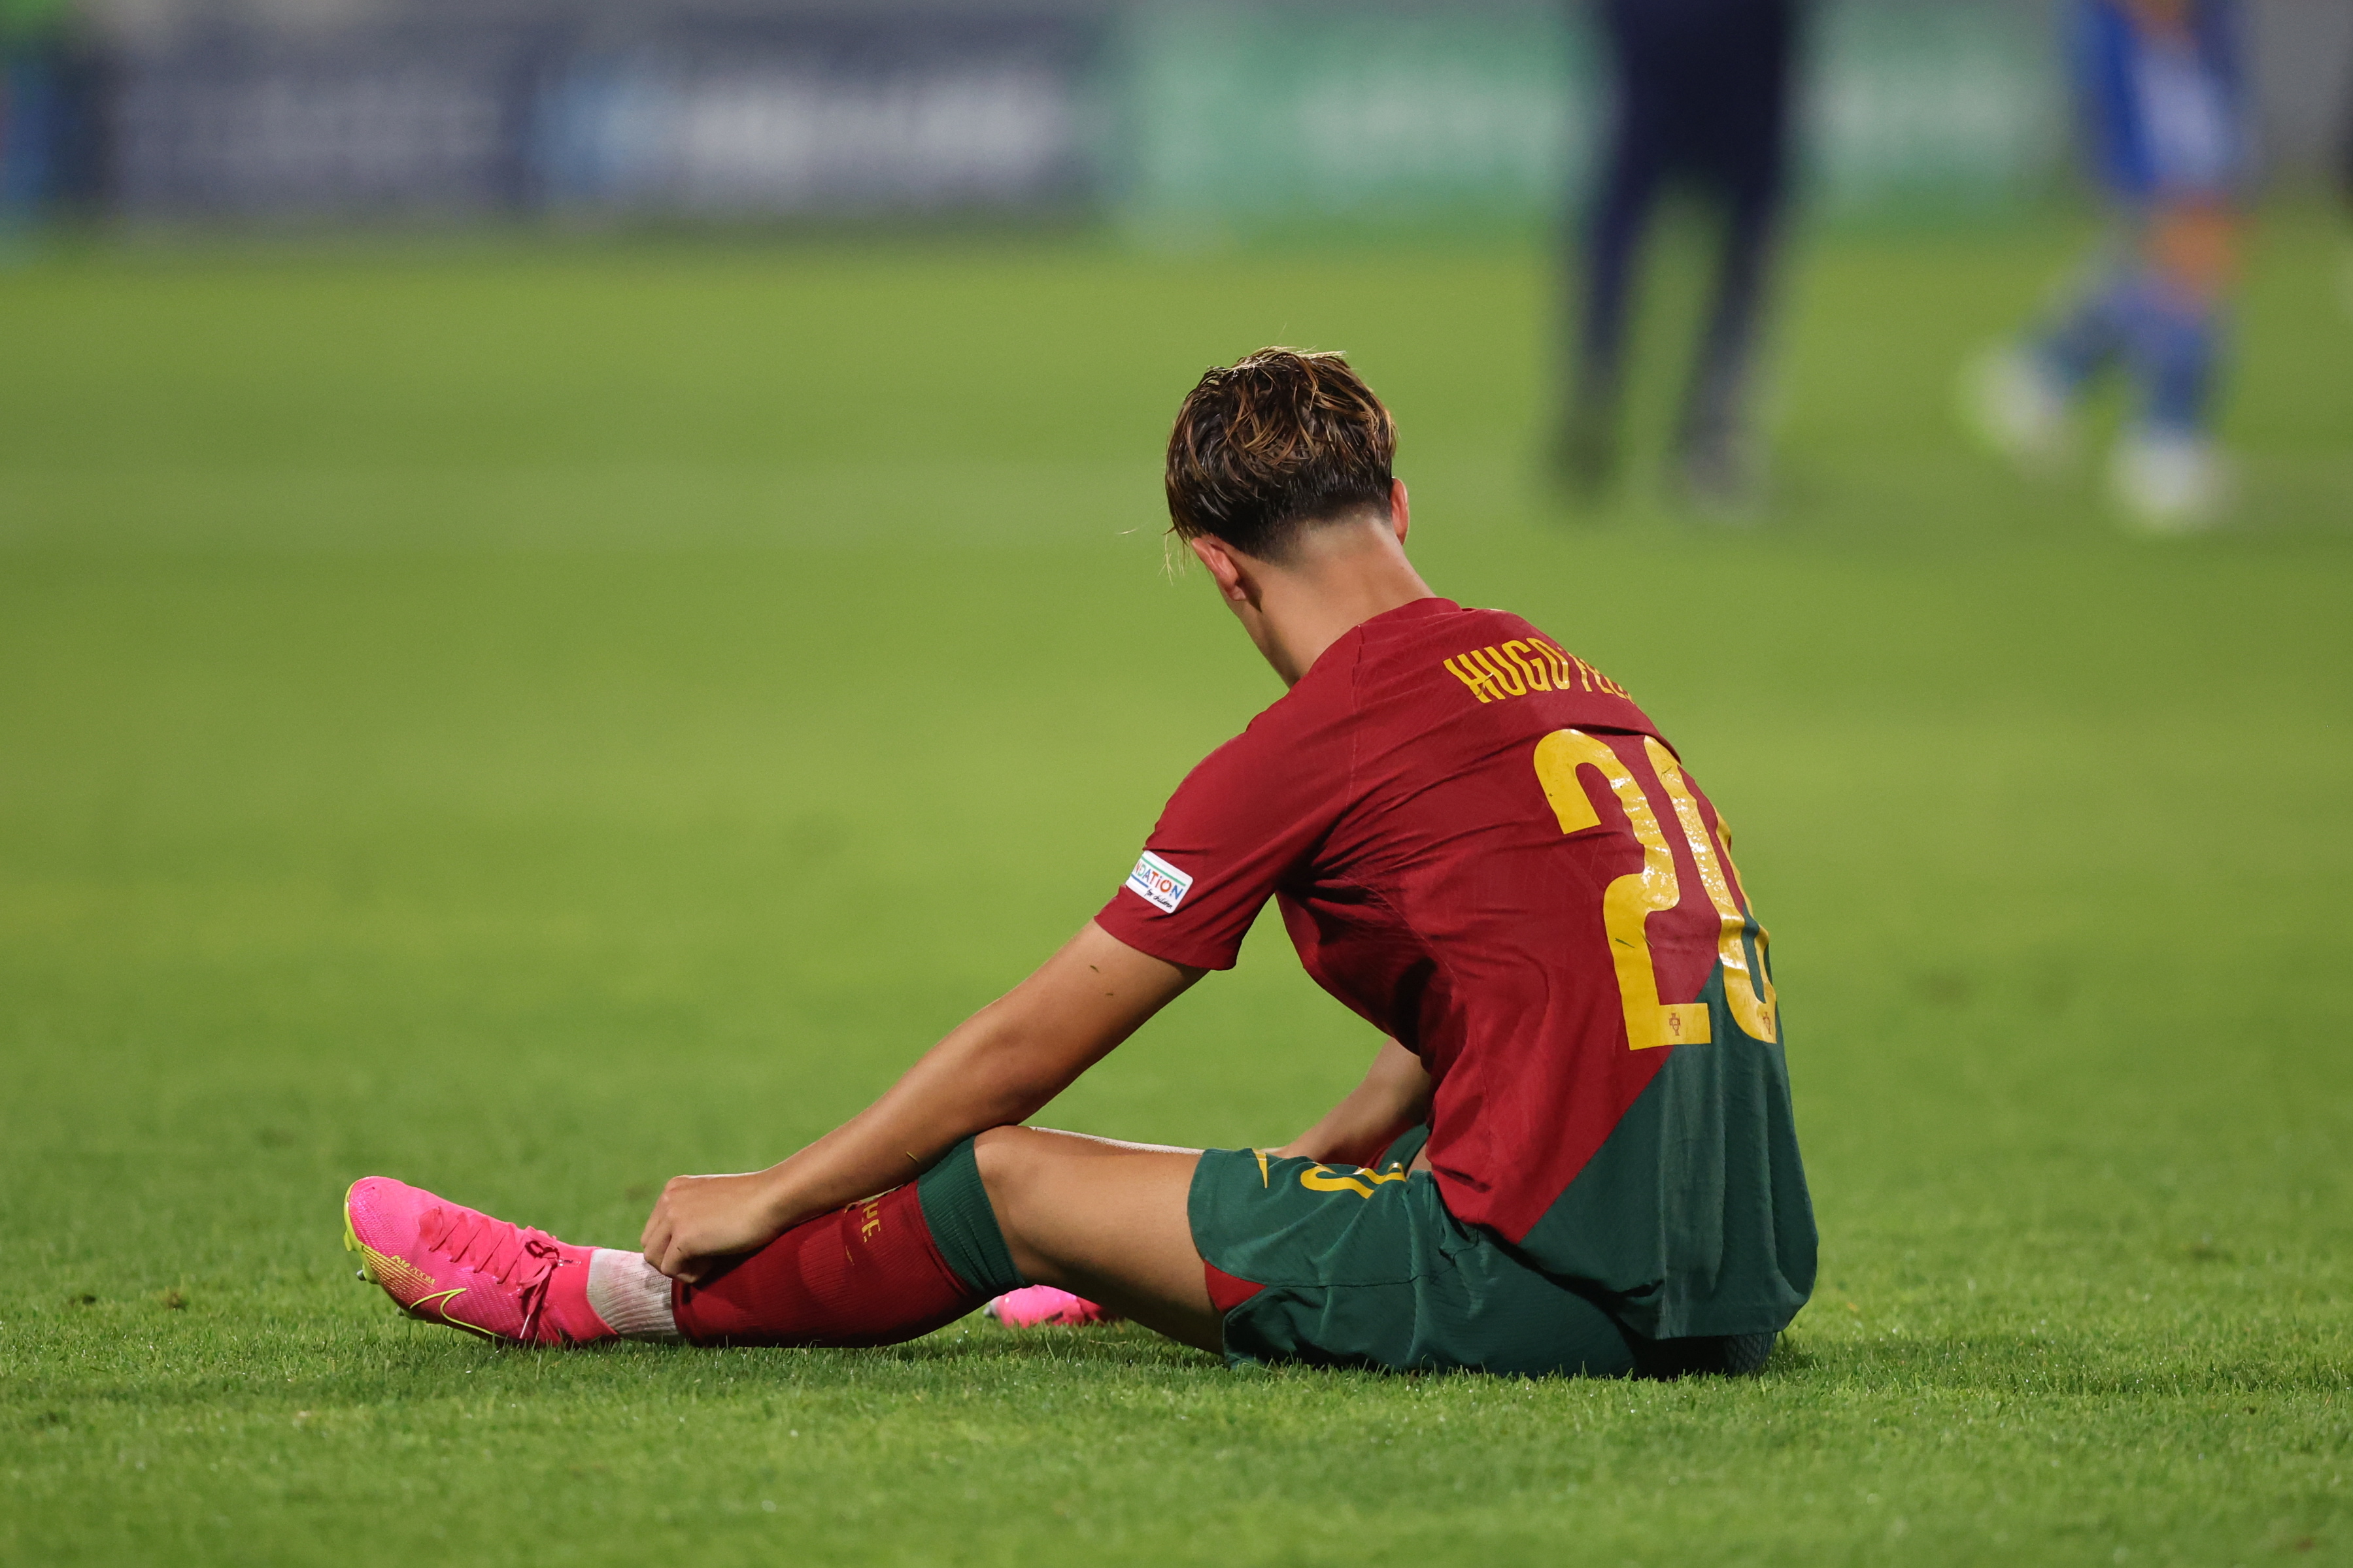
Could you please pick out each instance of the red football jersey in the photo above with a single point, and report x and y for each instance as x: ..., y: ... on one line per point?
x: 1482, y: 846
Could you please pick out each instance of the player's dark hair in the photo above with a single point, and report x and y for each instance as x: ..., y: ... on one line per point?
x: 1275, y: 443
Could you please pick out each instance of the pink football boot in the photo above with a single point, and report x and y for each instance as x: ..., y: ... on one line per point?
x: 446, y: 1264
x: 1036, y: 1306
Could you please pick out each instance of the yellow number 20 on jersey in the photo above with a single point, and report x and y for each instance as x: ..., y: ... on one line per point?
x: 1628, y: 902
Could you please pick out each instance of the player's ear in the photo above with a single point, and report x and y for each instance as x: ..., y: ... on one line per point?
x: 1400, y: 510
x: 1223, y: 567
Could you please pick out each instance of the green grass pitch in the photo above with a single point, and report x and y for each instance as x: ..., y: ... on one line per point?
x: 534, y: 718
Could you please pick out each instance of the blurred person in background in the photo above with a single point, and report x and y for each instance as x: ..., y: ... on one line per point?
x: 2159, y: 95
x: 1702, y: 93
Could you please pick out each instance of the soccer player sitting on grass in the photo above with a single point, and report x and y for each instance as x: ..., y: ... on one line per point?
x: 1574, y: 1154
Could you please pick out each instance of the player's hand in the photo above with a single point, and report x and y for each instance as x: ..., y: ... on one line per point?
x: 699, y: 1220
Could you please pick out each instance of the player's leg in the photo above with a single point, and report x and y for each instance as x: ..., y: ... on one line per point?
x: 2154, y: 308
x: 1265, y: 1259
x: 1714, y: 414
x: 1037, y: 1305
x: 1015, y: 1207
x: 2090, y: 329
x: 2167, y: 471
x: 2022, y: 397
x: 1631, y: 176
x: 1274, y: 1258
x: 1347, y: 1265
x: 1106, y: 1220
x: 1620, y: 216
x: 446, y: 1263
x: 867, y: 1274
x: 2187, y: 110
x: 1715, y: 447
x: 1740, y: 148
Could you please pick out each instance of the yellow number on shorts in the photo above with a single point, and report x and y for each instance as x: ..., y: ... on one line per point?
x: 1629, y: 902
x: 1360, y: 1181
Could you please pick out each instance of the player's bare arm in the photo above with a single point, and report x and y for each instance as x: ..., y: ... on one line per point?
x: 1392, y: 1100
x: 997, y: 1069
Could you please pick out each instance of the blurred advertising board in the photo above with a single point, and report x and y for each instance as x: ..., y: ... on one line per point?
x: 759, y: 118
x: 1240, y: 118
x: 403, y: 123
x: 1255, y: 118
x: 1180, y: 120
x: 831, y: 116
x: 1923, y: 107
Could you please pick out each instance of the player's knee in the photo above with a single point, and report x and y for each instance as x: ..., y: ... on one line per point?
x: 1008, y: 1158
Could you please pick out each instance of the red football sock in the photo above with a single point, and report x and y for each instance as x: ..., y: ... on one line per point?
x: 866, y: 1275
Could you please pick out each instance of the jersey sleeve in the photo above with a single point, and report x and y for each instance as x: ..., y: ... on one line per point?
x: 1251, y: 814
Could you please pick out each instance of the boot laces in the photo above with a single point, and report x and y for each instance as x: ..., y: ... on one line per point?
x: 523, y: 1259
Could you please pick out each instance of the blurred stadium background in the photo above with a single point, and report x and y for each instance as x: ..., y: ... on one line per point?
x: 1177, y: 122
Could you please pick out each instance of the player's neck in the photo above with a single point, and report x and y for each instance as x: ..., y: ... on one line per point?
x: 1340, y: 579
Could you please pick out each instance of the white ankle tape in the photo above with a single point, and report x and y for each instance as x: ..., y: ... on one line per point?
x: 630, y: 1294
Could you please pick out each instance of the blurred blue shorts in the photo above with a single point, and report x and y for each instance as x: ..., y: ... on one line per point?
x: 2167, y: 116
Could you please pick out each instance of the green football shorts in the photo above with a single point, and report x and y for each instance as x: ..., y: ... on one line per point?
x: 1365, y: 1268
